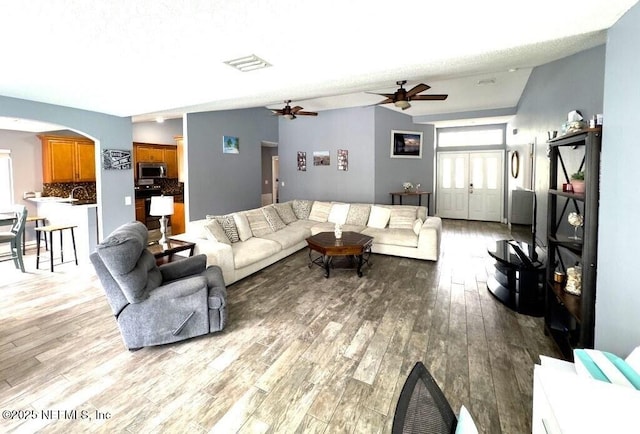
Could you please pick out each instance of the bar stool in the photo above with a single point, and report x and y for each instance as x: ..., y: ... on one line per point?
x: 50, y: 230
x: 37, y: 220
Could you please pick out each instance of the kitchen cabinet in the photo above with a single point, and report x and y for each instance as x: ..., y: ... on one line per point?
x: 67, y: 159
x: 177, y: 219
x: 149, y: 152
x: 180, y: 158
x: 141, y: 214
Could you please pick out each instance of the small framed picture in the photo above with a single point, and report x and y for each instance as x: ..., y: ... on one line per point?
x: 230, y: 145
x: 321, y: 158
x: 406, y: 144
x: 343, y: 159
x: 302, y: 161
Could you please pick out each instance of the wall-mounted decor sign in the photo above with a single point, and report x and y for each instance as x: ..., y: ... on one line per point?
x: 230, y: 145
x: 406, y: 144
x: 302, y: 161
x: 321, y: 158
x: 343, y: 159
x: 116, y: 159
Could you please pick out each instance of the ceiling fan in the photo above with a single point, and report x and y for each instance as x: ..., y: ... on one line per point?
x: 289, y: 112
x: 401, y: 97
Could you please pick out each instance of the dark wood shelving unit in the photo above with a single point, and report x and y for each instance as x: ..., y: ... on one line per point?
x: 570, y: 319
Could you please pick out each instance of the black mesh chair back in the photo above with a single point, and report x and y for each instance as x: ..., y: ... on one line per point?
x: 422, y: 407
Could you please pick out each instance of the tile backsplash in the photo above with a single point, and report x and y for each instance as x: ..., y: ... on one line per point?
x: 63, y: 189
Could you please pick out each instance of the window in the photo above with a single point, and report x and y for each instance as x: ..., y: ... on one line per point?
x: 6, y: 180
x: 471, y: 136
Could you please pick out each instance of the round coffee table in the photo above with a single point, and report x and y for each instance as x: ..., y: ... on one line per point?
x: 353, y: 246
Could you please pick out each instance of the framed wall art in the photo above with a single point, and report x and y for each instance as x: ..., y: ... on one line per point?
x: 343, y: 159
x: 406, y: 144
x: 230, y: 145
x: 118, y: 159
x: 302, y: 161
x: 321, y: 158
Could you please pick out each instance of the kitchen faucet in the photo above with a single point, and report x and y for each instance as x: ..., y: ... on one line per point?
x: 80, y: 187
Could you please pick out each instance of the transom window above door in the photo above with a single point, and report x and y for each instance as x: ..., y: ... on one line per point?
x: 471, y: 136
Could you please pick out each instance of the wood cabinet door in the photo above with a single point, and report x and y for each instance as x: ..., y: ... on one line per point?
x: 60, y: 161
x: 85, y: 161
x: 171, y: 158
x: 146, y: 154
x: 140, y: 212
x: 177, y: 219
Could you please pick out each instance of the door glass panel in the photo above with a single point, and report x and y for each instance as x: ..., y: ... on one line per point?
x: 492, y: 173
x: 478, y: 181
x: 446, y: 173
x: 459, y: 172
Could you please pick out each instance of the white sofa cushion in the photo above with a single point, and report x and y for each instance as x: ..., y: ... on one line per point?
x: 258, y: 222
x: 253, y: 250
x: 214, y: 232
x: 338, y: 213
x: 320, y: 211
x: 379, y: 217
x: 273, y: 218
x: 289, y: 236
x: 329, y: 227
x: 358, y: 214
x: 396, y: 237
x: 417, y: 224
x: 285, y: 211
x: 402, y: 217
x: 242, y: 224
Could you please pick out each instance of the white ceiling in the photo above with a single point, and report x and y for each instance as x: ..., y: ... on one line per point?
x: 145, y: 58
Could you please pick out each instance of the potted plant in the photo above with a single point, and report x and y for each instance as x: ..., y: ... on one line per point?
x: 577, y: 182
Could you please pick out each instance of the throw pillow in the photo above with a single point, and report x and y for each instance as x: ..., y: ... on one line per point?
x: 320, y: 211
x: 402, y: 217
x: 244, y: 230
x: 358, y: 214
x: 417, y: 225
x: 338, y: 213
x: 285, y: 211
x: 273, y: 218
x: 466, y: 425
x: 379, y: 217
x: 215, y: 232
x: 229, y: 226
x: 301, y: 208
x: 258, y: 222
x: 605, y: 366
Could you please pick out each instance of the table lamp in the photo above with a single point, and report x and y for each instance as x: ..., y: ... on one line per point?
x: 162, y: 206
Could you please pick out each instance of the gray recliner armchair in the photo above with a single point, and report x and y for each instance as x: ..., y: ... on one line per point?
x: 156, y: 305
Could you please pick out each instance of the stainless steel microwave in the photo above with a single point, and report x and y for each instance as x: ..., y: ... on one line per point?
x: 152, y: 170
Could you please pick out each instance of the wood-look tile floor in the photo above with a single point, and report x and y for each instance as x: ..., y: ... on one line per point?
x: 301, y: 354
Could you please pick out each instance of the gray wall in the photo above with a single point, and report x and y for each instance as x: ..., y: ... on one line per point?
x: 392, y: 172
x: 351, y: 129
x: 161, y: 133
x: 618, y: 301
x: 109, y: 132
x: 553, y: 90
x: 222, y: 183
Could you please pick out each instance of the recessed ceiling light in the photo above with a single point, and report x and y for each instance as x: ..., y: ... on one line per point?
x: 159, y: 119
x: 248, y: 63
x: 513, y: 69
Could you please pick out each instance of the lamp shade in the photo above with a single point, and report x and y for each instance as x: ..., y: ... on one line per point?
x: 161, y: 205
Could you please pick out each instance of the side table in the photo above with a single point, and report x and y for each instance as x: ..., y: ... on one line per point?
x: 164, y: 253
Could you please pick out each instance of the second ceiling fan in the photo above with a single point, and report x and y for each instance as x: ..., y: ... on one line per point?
x: 401, y: 97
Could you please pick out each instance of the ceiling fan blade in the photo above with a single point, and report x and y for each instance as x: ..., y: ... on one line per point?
x: 306, y: 113
x: 277, y: 111
x: 386, y: 101
x: 386, y: 95
x: 417, y: 89
x: 296, y: 109
x: 429, y: 97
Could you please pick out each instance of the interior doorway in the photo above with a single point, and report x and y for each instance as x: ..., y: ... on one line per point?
x: 470, y: 185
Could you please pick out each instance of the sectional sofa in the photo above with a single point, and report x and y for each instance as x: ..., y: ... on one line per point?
x: 244, y: 242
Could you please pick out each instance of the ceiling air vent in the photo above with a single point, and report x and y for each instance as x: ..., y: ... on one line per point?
x: 248, y: 63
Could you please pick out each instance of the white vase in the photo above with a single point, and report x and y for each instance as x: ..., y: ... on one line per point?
x: 338, y: 231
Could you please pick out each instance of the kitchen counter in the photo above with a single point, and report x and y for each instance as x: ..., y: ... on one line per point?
x: 65, y: 211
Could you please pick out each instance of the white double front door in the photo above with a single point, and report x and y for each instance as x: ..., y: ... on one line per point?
x: 470, y: 185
